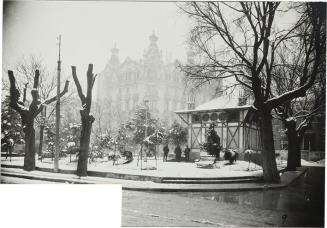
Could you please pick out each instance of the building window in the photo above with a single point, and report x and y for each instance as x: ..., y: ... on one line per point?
x: 205, y: 117
x: 233, y: 116
x: 196, y: 118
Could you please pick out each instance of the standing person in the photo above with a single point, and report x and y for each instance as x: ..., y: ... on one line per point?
x: 9, y: 144
x: 178, y: 153
x: 187, y: 153
x: 166, y: 151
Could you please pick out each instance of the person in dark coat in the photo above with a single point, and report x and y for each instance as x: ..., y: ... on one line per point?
x: 187, y: 153
x: 178, y: 152
x: 166, y: 151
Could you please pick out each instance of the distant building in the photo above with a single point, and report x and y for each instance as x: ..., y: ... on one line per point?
x: 124, y: 85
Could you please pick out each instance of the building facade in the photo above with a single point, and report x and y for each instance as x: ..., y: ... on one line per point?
x: 122, y: 86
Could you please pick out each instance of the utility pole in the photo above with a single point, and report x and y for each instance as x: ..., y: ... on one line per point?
x: 56, y: 161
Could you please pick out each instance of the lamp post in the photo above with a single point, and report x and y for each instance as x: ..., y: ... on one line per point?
x: 57, y: 152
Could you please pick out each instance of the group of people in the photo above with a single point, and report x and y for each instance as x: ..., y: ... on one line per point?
x: 178, y: 153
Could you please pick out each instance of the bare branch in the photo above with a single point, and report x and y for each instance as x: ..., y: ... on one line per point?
x: 50, y: 100
x: 78, y: 86
x: 63, y: 92
x: 24, y: 93
x: 14, y: 94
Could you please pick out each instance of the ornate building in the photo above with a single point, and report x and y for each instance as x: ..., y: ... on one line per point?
x: 123, y: 86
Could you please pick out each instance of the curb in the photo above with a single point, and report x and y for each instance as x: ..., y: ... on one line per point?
x: 240, y: 189
x: 150, y: 189
x: 42, y: 178
x: 168, y: 187
x: 303, y: 170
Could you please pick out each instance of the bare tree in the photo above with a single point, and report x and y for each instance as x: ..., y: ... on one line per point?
x: 26, y: 68
x: 247, y: 45
x: 297, y: 114
x: 86, y: 118
x: 29, y: 113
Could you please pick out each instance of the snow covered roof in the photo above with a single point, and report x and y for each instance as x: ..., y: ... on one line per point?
x: 220, y: 103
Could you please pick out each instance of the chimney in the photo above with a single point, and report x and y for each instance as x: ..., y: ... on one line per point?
x: 241, y: 98
x: 190, y: 102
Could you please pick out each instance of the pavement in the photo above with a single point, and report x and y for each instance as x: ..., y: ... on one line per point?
x: 146, y: 185
x: 301, y: 202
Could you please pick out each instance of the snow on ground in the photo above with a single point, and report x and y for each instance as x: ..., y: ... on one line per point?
x: 164, y: 169
x: 320, y: 163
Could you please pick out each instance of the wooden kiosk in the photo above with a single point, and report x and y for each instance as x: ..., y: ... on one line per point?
x: 235, y: 121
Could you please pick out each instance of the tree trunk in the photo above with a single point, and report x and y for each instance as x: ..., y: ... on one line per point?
x: 84, y: 144
x: 294, y: 146
x: 29, y: 158
x: 28, y: 114
x: 41, y: 141
x: 270, y: 172
x: 43, y: 113
x: 87, y: 119
x: 298, y: 152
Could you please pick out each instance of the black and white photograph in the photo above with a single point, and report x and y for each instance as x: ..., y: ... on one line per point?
x: 201, y: 114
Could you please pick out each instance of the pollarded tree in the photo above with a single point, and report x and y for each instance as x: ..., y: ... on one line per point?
x: 240, y: 40
x: 25, y: 68
x: 29, y: 113
x: 86, y: 118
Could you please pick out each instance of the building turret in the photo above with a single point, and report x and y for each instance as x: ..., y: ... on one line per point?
x: 153, y: 56
x: 114, y: 59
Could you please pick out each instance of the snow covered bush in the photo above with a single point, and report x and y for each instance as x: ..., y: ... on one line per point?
x: 177, y: 134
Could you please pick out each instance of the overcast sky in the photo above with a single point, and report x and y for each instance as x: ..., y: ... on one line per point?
x: 89, y: 30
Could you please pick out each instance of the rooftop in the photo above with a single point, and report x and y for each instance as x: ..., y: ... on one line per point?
x: 224, y: 102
